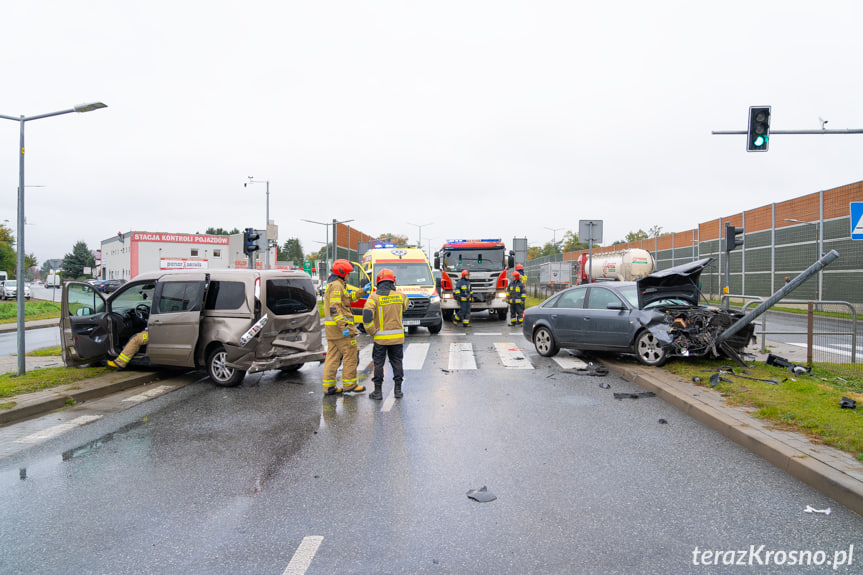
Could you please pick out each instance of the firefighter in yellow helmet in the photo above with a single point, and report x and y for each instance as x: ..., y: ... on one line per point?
x: 463, y: 294
x: 515, y: 297
x: 382, y: 319
x: 340, y: 331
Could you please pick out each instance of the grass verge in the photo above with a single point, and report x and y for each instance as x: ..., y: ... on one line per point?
x: 804, y: 403
x: 33, y: 310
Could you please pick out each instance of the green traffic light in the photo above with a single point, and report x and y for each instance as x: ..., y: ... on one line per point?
x: 760, y: 141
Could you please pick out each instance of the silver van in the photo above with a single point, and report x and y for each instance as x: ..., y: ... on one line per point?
x: 229, y: 321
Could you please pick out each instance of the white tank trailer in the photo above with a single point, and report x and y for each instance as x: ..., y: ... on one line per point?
x: 625, y: 265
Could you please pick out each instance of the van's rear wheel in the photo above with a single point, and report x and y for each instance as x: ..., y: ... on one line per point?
x: 219, y: 371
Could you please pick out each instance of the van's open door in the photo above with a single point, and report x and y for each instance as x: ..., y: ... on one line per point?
x: 85, y: 328
x: 357, y: 281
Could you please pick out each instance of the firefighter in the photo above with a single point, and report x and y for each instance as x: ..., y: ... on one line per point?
x: 463, y: 294
x: 382, y: 319
x: 129, y: 351
x: 515, y: 296
x: 340, y: 331
x: 520, y: 269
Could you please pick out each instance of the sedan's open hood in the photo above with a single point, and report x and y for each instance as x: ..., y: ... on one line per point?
x: 678, y: 282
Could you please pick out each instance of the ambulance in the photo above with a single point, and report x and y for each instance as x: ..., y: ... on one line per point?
x: 413, y: 278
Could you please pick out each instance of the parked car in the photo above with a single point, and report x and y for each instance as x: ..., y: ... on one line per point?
x: 656, y: 317
x: 10, y: 289
x: 109, y: 286
x: 228, y: 321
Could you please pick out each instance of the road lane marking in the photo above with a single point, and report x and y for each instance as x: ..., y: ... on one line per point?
x: 461, y: 356
x: 365, y: 357
x: 389, y: 401
x: 56, y: 430
x: 415, y: 355
x: 303, y: 555
x: 150, y: 394
x: 511, y: 356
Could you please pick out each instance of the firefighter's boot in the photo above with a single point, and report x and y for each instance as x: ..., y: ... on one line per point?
x: 377, y: 393
x: 355, y: 388
x: 397, y: 391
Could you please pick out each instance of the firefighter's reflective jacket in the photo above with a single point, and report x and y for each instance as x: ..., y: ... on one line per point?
x: 337, y: 306
x: 382, y: 314
x: 515, y: 292
x: 462, y: 291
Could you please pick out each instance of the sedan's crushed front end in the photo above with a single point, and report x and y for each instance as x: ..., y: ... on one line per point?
x: 693, y: 332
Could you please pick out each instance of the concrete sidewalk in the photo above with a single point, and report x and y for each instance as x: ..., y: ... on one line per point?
x: 832, y: 472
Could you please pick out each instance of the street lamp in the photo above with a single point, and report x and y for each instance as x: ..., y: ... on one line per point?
x: 328, y: 224
x: 22, y: 365
x: 420, y: 226
x: 252, y: 180
x: 554, y: 236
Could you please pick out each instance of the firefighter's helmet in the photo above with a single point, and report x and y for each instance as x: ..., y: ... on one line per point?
x: 386, y: 275
x: 519, y: 268
x: 516, y: 276
x: 342, y: 268
x: 464, y: 273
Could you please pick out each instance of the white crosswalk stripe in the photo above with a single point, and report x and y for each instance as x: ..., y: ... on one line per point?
x: 569, y: 362
x: 512, y: 356
x: 415, y: 355
x: 461, y: 356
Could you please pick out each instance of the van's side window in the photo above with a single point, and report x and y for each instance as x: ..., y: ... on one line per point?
x: 175, y: 297
x: 225, y: 295
x: 291, y: 296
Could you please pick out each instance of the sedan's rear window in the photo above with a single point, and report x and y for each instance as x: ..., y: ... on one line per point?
x: 289, y: 296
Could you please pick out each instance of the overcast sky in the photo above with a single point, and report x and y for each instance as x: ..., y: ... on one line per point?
x: 478, y: 118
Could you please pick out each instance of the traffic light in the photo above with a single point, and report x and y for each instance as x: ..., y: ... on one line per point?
x: 758, y: 133
x: 731, y: 239
x: 249, y: 239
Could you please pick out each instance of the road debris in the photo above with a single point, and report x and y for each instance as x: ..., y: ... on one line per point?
x: 483, y: 495
x: 848, y: 403
x: 794, y: 368
x: 810, y: 509
x: 662, y: 421
x: 627, y: 395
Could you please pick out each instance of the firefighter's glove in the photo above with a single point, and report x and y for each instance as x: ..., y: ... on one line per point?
x: 346, y: 332
x: 368, y: 288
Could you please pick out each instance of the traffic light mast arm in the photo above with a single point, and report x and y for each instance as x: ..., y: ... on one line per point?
x: 744, y: 132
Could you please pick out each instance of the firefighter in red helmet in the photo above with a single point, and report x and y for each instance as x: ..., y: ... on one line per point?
x: 340, y: 331
x: 515, y: 296
x: 382, y: 319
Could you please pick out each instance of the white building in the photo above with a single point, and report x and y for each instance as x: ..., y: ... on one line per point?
x: 129, y: 254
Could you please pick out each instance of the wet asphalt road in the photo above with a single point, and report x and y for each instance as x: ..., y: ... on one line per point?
x: 210, y: 480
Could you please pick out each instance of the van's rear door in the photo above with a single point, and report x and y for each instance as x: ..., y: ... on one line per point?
x: 85, y: 328
x: 175, y: 319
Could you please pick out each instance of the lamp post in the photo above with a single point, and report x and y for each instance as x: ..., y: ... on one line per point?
x: 22, y: 365
x: 252, y: 180
x: 420, y: 226
x: 554, y: 236
x: 328, y: 224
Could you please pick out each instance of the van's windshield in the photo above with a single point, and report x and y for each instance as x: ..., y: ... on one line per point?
x: 408, y: 273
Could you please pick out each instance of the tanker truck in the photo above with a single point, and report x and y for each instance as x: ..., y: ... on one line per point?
x: 625, y: 265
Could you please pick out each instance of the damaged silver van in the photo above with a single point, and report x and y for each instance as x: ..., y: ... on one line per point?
x: 228, y: 321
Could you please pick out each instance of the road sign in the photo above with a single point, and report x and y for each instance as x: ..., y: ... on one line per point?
x: 856, y: 220
x: 307, y: 267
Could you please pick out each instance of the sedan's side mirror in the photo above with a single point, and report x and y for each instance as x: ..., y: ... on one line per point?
x: 617, y: 306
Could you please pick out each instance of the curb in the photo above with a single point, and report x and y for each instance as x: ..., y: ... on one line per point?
x: 39, y: 403
x: 846, y: 487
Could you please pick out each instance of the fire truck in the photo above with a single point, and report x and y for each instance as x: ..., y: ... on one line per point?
x: 487, y: 261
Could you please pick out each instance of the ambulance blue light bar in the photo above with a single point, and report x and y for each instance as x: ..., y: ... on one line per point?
x: 472, y: 241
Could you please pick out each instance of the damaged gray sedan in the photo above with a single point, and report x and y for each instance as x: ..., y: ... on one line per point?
x: 656, y: 317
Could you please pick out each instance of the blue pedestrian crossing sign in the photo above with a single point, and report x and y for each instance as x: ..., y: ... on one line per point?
x: 856, y: 220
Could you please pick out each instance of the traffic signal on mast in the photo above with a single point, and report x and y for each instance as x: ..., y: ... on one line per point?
x: 758, y: 132
x: 250, y: 237
x: 731, y: 239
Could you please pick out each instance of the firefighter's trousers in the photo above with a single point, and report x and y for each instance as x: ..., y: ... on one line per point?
x: 341, y: 350
x: 464, y: 312
x: 131, y: 349
x: 516, y: 313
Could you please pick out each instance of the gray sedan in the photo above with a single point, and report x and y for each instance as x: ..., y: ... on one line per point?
x: 656, y: 317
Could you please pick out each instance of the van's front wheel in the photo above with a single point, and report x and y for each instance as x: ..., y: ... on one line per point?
x: 219, y: 371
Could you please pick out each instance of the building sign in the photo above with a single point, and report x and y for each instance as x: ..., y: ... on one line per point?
x: 182, y: 264
x: 180, y: 238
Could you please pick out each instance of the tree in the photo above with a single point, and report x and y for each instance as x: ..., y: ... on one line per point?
x: 636, y: 236
x: 394, y: 239
x: 75, y: 262
x: 571, y: 243
x: 655, y: 231
x: 292, y: 250
x: 533, y: 252
x: 221, y: 232
x: 8, y: 257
